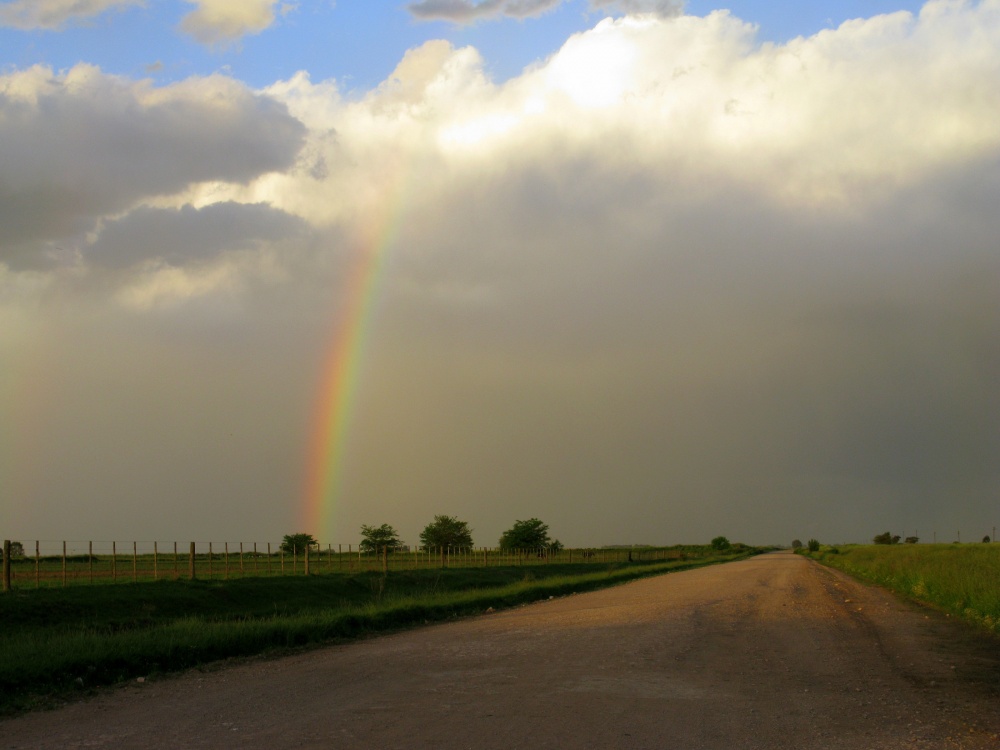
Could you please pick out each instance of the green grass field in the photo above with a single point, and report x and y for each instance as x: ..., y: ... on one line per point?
x: 960, y: 579
x: 58, y: 641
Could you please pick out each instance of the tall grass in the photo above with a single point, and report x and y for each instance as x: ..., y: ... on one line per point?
x: 960, y: 579
x: 57, y: 641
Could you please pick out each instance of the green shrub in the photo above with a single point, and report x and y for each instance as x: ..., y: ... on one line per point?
x: 721, y: 543
x: 813, y: 545
x: 886, y: 538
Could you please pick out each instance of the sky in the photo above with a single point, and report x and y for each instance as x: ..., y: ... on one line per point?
x: 650, y: 271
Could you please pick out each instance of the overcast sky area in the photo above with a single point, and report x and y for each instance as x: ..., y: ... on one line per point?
x: 652, y: 272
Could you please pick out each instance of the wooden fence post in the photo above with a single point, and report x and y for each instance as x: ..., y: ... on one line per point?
x: 6, y: 565
x: 210, y: 560
x: 135, y: 562
x: 305, y: 563
x: 64, y: 565
x: 38, y: 573
x: 156, y: 562
x: 114, y: 562
x: 227, y: 561
x: 191, y: 563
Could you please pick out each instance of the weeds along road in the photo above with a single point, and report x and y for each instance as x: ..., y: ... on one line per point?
x: 771, y: 652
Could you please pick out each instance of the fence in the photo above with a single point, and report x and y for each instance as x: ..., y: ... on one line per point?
x: 42, y: 564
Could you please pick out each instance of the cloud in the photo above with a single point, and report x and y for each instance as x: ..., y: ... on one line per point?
x: 673, y: 263
x: 181, y: 236
x: 467, y: 11
x: 52, y: 14
x: 670, y: 283
x: 664, y: 8
x: 217, y: 21
x: 129, y: 141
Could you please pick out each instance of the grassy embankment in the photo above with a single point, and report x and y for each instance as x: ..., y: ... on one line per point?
x: 56, y: 642
x: 960, y: 579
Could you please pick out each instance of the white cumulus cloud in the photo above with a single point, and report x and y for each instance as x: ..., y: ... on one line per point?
x: 215, y: 21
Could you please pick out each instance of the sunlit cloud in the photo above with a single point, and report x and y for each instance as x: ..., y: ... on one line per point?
x: 53, y: 14
x: 219, y: 21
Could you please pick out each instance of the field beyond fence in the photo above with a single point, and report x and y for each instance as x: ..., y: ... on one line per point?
x: 42, y: 564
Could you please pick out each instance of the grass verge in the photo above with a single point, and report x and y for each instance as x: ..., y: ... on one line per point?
x: 59, y: 642
x: 960, y: 579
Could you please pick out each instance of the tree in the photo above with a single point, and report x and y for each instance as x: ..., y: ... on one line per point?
x: 912, y: 539
x: 813, y: 545
x: 530, y: 534
x: 986, y: 540
x: 446, y: 531
x: 296, y: 543
x: 377, y: 538
x: 886, y: 538
x: 720, y: 543
x: 16, y: 550
x: 796, y: 544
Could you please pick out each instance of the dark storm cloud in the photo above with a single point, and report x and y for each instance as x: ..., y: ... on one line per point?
x: 757, y: 375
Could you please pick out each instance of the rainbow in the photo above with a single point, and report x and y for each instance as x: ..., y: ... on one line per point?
x: 342, y: 367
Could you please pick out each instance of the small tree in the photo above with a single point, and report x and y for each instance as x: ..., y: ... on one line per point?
x: 912, y: 539
x: 530, y: 534
x: 377, y: 538
x: 886, y: 538
x: 296, y: 543
x: 796, y: 544
x: 813, y: 545
x: 986, y: 540
x: 446, y: 531
x: 721, y: 544
x: 16, y: 550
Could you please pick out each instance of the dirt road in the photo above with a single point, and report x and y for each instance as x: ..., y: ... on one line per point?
x: 771, y: 652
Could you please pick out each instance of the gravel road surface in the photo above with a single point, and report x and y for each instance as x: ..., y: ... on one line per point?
x: 771, y: 652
